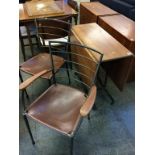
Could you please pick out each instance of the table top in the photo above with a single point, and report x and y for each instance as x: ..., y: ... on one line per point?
x: 67, y: 10
x: 94, y: 36
x: 123, y: 25
x: 98, y: 8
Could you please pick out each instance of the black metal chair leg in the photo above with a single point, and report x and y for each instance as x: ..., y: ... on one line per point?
x: 20, y: 76
x: 28, y: 127
x: 49, y: 82
x: 72, y: 142
x: 21, y: 79
x: 69, y: 81
x: 23, y: 101
x: 109, y: 95
x: 94, y: 107
x: 89, y: 116
x: 30, y: 40
x: 22, y: 46
x: 104, y: 87
x: 27, y: 96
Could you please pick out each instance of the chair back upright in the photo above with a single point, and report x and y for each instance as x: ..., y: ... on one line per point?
x: 81, y: 64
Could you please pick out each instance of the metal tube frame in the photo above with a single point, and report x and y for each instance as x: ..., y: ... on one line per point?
x: 71, y: 135
x: 28, y: 127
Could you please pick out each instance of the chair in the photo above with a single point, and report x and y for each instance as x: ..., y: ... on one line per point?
x: 47, y: 29
x: 66, y: 102
x: 27, y: 31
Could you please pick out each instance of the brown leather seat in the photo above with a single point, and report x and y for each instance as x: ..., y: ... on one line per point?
x: 58, y: 108
x: 41, y: 62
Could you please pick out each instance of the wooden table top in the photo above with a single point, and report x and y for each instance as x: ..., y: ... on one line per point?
x: 98, y: 9
x: 123, y: 25
x: 23, y: 15
x: 94, y: 36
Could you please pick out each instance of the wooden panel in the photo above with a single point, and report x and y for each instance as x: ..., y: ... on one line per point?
x: 89, y: 11
x: 116, y: 57
x: 120, y: 27
x: 86, y: 16
x: 94, y: 36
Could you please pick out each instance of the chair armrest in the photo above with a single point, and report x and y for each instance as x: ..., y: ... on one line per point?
x: 87, y: 106
x: 27, y: 82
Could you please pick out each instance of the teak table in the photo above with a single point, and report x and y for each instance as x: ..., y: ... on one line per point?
x: 117, y: 59
x: 67, y: 10
x: 89, y: 11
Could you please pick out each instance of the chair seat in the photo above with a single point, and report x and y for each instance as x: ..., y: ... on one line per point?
x: 58, y: 108
x: 41, y: 62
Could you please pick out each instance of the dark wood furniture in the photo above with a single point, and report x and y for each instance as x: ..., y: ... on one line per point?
x: 123, y: 29
x: 117, y: 59
x: 63, y: 105
x: 89, y: 11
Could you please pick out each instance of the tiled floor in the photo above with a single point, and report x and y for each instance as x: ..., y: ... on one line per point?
x: 109, y: 132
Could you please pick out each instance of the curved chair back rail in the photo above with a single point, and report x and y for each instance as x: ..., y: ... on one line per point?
x: 53, y: 28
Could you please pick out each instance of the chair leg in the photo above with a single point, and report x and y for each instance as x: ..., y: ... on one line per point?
x: 89, y: 116
x: 69, y: 81
x: 28, y: 127
x: 72, y: 145
x: 37, y: 41
x: 49, y: 82
x: 104, y: 87
x: 76, y: 20
x: 27, y: 96
x: 21, y: 79
x: 23, y: 101
x: 22, y: 47
x: 109, y: 95
x: 20, y: 76
x: 30, y: 40
x: 94, y: 107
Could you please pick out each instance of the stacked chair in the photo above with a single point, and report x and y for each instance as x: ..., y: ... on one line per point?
x: 46, y: 29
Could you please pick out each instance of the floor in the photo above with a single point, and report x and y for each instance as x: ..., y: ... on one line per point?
x: 110, y: 130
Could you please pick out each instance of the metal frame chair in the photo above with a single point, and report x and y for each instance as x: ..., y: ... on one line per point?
x: 76, y: 99
x: 26, y: 32
x: 53, y: 29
